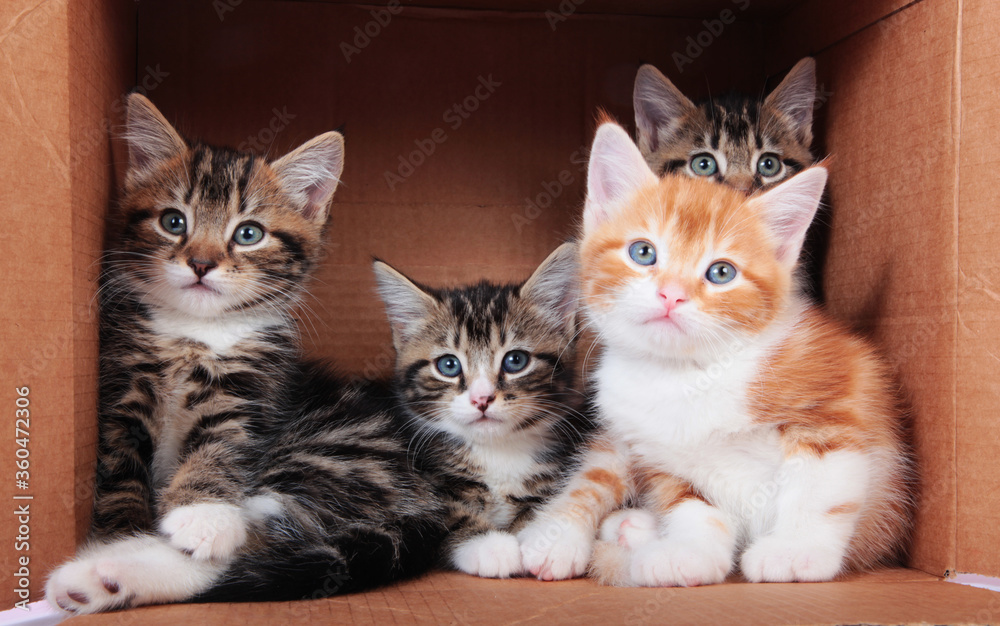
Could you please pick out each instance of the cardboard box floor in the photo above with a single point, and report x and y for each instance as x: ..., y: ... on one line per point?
x: 467, y: 124
x: 892, y: 597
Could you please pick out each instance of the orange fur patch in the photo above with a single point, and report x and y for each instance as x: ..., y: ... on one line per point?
x: 609, y: 480
x: 718, y: 523
x: 826, y: 390
x: 661, y: 491
x: 844, y: 509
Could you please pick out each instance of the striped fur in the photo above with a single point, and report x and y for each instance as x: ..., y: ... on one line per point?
x: 736, y: 130
x: 225, y: 464
x: 497, y: 461
x: 752, y: 430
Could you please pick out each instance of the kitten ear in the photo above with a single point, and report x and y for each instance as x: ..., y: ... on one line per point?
x: 406, y: 303
x: 789, y: 209
x: 795, y: 97
x: 659, y: 107
x: 150, y: 137
x: 311, y: 173
x: 615, y: 173
x: 553, y: 287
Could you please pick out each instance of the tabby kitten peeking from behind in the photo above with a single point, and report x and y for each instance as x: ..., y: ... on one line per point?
x: 750, y: 428
x: 734, y: 139
x: 228, y: 469
x: 485, y: 374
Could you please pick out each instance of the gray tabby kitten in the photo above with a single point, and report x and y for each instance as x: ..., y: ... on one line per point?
x: 486, y: 375
x: 228, y: 468
x: 735, y: 139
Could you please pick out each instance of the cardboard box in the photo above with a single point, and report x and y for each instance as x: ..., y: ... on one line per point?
x: 467, y: 123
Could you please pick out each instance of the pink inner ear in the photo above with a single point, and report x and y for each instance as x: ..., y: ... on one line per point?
x: 789, y: 209
x: 318, y: 196
x: 792, y: 235
x: 616, y: 171
x: 603, y: 189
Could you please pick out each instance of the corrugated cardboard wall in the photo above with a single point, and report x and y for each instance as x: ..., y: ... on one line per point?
x: 36, y: 317
x: 978, y: 284
x: 62, y: 66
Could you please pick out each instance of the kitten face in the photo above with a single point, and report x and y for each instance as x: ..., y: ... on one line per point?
x: 486, y: 361
x: 210, y: 231
x: 679, y: 267
x: 743, y: 142
x: 682, y: 268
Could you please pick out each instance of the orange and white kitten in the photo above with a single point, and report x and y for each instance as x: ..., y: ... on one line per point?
x: 746, y: 426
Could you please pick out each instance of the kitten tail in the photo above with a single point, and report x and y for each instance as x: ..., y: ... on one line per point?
x: 611, y: 565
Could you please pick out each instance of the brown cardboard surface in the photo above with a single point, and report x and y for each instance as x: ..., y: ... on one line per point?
x: 894, y: 597
x: 63, y: 64
x: 809, y: 28
x: 978, y: 342
x: 35, y: 304
x: 890, y: 267
x: 704, y: 9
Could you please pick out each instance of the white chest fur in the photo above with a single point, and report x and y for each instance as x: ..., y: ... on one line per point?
x: 220, y: 336
x: 693, y: 423
x: 507, y: 465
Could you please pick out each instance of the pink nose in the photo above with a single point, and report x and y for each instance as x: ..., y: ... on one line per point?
x: 671, y: 296
x: 482, y: 402
x: 481, y: 393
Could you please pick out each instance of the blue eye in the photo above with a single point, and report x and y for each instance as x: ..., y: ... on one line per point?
x: 642, y: 252
x: 769, y: 164
x: 173, y: 222
x: 449, y: 365
x: 248, y: 234
x: 721, y: 272
x: 515, y: 361
x: 704, y: 164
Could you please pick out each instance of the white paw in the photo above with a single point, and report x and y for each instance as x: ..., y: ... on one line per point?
x: 555, y: 550
x: 666, y: 563
x: 780, y: 559
x: 87, y: 585
x: 492, y: 555
x: 128, y: 572
x: 629, y: 528
x: 207, y: 530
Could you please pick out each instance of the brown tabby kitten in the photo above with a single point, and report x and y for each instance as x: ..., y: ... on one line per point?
x: 735, y: 139
x: 486, y: 376
x: 227, y: 468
